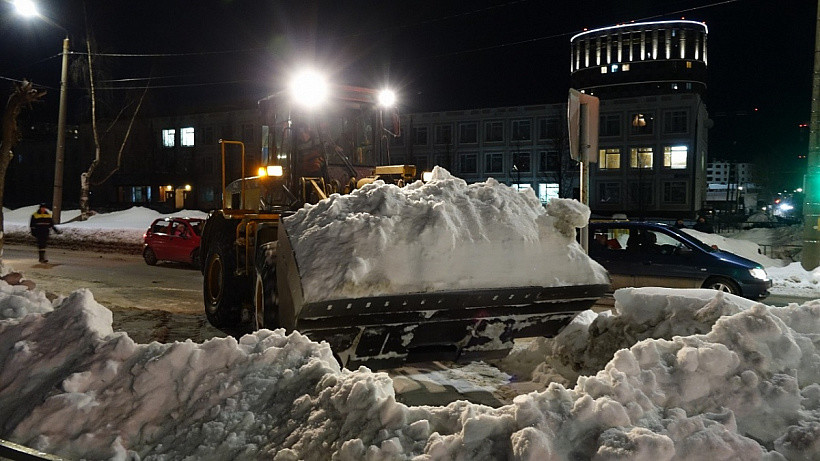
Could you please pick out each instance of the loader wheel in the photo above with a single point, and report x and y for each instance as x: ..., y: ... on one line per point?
x: 266, y: 301
x: 221, y: 288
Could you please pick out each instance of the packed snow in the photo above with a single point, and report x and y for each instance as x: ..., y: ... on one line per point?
x: 726, y: 379
x: 669, y: 374
x: 441, y: 235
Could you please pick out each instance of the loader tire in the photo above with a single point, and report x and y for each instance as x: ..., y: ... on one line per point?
x: 265, y: 297
x: 222, y: 289
x: 266, y: 303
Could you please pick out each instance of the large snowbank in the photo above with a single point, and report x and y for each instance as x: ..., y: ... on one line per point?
x: 746, y: 386
x: 440, y: 235
x: 672, y: 374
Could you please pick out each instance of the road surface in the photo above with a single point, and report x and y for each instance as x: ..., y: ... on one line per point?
x: 151, y: 303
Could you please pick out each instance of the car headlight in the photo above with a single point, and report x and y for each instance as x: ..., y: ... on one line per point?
x: 758, y: 273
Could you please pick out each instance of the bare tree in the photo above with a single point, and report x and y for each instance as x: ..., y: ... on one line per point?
x: 86, y: 178
x: 23, y: 96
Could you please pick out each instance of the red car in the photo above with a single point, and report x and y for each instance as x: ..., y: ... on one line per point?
x: 173, y: 239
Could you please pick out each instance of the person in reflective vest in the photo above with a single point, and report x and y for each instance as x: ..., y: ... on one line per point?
x: 41, y: 225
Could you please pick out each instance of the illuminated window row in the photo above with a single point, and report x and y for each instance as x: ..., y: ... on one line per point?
x: 615, y: 47
x: 674, y: 158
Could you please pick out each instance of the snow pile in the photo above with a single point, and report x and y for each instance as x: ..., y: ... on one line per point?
x: 747, y: 386
x: 744, y: 248
x: 442, y: 235
x: 18, y: 301
x: 793, y: 280
x: 590, y: 341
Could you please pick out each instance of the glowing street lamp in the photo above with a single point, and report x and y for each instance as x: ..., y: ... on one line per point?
x: 27, y: 8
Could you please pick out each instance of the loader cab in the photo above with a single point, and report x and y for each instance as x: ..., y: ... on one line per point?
x: 325, y: 146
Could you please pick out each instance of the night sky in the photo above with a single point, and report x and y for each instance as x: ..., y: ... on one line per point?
x: 440, y: 55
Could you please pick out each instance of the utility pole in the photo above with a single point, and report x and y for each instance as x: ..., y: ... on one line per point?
x: 59, y: 159
x: 810, y: 256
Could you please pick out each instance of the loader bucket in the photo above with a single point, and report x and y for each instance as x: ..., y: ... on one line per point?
x: 461, y: 325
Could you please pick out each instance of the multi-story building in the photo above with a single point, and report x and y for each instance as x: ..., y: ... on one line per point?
x: 522, y: 146
x: 729, y: 173
x: 175, y: 162
x: 650, y: 78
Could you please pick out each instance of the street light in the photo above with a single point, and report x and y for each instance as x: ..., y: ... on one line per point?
x: 27, y: 8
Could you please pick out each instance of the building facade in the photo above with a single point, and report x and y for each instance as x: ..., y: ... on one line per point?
x: 175, y: 162
x: 729, y: 173
x: 653, y: 131
x: 522, y: 146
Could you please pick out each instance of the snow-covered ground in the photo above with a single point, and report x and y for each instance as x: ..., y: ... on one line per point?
x: 119, y: 227
x: 671, y: 374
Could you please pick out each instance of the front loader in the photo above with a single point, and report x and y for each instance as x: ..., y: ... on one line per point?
x: 252, y: 277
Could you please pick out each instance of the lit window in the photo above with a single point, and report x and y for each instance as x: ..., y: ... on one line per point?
x: 613, y: 68
x: 625, y: 67
x: 603, y: 69
x: 642, y: 124
x: 186, y: 136
x: 168, y: 137
x: 609, y: 159
x: 640, y: 157
x: 547, y: 192
x: 688, y: 64
x: 674, y: 157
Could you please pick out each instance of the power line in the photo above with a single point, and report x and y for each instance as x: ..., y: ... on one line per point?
x: 181, y: 85
x: 167, y: 55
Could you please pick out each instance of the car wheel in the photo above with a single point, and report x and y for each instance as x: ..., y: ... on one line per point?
x: 196, y: 258
x: 149, y: 256
x: 222, y: 290
x: 722, y: 284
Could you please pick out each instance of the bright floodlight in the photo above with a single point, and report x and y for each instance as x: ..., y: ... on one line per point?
x: 387, y: 98
x: 309, y: 88
x: 25, y: 7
